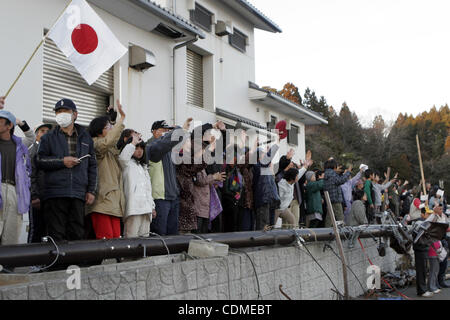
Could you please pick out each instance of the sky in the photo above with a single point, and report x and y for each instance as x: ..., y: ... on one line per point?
x: 379, y: 56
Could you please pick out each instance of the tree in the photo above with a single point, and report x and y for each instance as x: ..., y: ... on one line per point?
x: 310, y: 100
x: 290, y: 92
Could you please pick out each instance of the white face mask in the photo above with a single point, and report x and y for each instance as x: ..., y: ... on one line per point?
x: 64, y: 119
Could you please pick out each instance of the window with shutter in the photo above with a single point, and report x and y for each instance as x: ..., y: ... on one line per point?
x: 194, y: 75
x: 201, y: 17
x: 273, y: 122
x: 293, y: 135
x: 238, y: 40
x: 62, y: 80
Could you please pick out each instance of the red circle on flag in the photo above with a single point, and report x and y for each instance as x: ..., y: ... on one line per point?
x: 84, y: 39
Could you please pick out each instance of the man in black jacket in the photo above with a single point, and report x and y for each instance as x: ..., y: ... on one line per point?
x: 67, y: 157
x: 37, y: 225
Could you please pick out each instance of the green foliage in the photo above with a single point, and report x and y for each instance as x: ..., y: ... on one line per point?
x: 378, y: 146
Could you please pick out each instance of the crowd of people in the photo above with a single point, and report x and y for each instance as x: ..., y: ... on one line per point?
x: 105, y: 182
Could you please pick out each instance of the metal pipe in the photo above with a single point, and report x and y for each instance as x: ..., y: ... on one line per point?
x: 96, y: 250
x: 174, y: 107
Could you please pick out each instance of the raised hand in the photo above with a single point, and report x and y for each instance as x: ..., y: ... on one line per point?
x: 308, y: 155
x: 291, y: 165
x: 220, y: 176
x: 120, y: 110
x: 137, y: 138
x: 308, y: 163
x: 212, y: 144
x: 2, y: 102
x: 219, y: 125
x: 187, y: 124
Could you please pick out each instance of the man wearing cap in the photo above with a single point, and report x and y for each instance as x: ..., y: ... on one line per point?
x: 29, y: 138
x: 163, y: 175
x: 66, y: 155
x: 37, y: 226
x: 15, y: 175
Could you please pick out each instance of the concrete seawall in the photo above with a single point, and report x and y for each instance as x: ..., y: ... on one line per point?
x: 177, y: 277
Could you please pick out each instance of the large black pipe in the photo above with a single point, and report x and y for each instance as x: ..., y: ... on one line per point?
x: 78, y: 252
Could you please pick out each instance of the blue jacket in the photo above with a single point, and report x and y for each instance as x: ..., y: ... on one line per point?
x: 60, y: 181
x: 23, y: 172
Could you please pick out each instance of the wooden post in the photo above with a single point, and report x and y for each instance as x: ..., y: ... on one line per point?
x: 34, y: 52
x: 421, y: 166
x: 339, y: 244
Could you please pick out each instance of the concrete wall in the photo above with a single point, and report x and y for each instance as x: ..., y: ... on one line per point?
x: 231, y: 277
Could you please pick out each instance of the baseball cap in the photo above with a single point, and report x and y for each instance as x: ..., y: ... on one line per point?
x: 65, y: 104
x: 161, y: 125
x: 8, y: 115
x: 48, y: 125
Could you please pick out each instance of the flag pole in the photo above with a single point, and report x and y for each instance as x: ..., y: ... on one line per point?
x: 35, y: 51
x: 421, y: 166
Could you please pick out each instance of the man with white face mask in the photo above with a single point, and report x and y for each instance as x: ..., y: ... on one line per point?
x: 67, y: 157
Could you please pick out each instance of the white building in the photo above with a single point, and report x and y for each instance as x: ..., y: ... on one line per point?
x: 200, y: 57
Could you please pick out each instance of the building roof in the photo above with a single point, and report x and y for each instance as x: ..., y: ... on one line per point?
x: 170, y: 16
x: 279, y: 103
x: 149, y: 16
x: 238, y: 118
x: 251, y: 13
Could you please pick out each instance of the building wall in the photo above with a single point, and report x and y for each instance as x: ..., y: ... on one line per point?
x: 147, y: 96
x: 223, y: 278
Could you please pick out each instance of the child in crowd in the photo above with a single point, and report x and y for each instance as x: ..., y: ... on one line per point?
x: 140, y: 207
x: 286, y: 192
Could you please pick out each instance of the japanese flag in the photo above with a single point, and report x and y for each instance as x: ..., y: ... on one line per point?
x: 86, y: 41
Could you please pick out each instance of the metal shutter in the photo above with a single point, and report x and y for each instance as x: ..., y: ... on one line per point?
x: 293, y: 135
x: 201, y: 17
x: 238, y: 40
x: 62, y: 80
x: 194, y: 74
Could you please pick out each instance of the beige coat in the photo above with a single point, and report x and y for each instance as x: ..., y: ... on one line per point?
x: 110, y: 199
